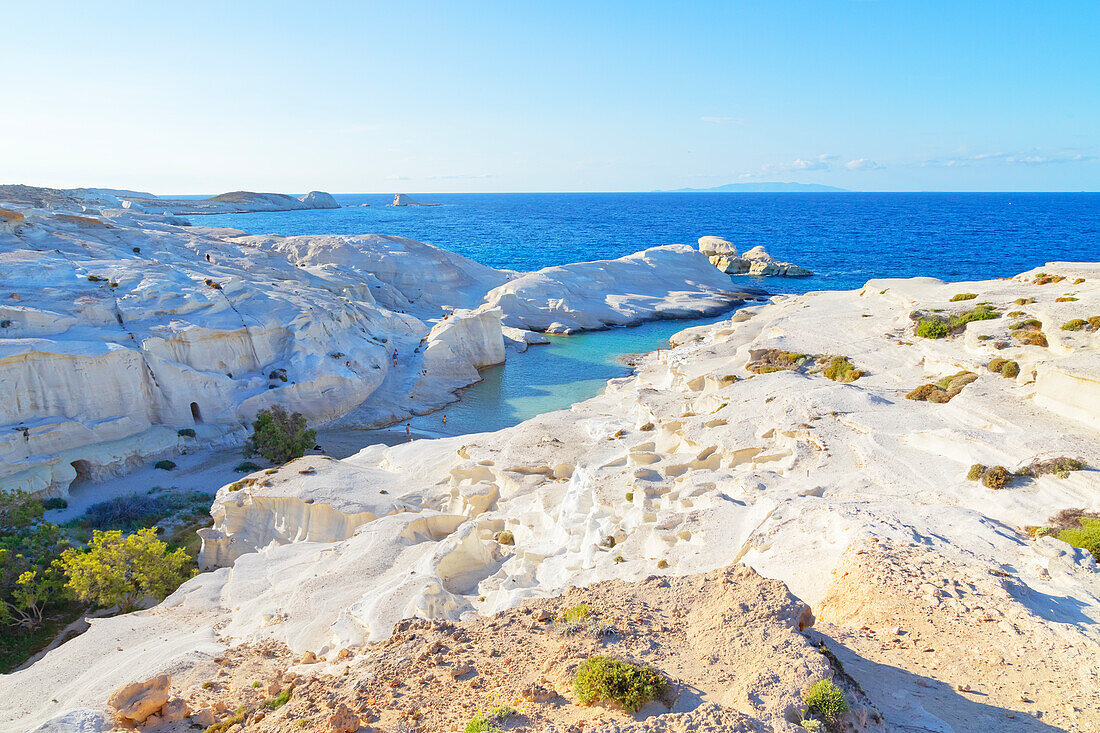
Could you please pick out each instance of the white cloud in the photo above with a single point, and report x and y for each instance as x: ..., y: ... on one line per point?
x: 862, y: 164
x: 1029, y: 159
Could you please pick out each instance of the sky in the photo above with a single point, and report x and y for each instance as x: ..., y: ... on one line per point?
x: 382, y: 97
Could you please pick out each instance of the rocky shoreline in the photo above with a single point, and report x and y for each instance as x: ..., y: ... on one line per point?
x: 790, y: 438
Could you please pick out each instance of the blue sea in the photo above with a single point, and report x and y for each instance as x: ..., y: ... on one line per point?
x: 845, y: 238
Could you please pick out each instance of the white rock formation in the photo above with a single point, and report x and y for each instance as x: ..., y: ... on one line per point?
x: 118, y: 330
x: 672, y: 281
x: 137, y: 202
x: 756, y: 261
x: 694, y: 461
x: 319, y: 200
x: 400, y: 199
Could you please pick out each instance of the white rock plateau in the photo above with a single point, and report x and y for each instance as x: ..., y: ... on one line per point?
x: 694, y: 460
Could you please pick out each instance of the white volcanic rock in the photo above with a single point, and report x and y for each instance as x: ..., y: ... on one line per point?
x: 227, y: 203
x: 400, y: 199
x: 756, y: 261
x: 319, y: 200
x: 694, y: 462
x: 119, y: 330
x: 673, y: 281
x: 717, y: 246
x: 399, y: 273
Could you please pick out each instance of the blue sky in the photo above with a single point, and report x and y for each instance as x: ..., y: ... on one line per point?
x: 555, y: 96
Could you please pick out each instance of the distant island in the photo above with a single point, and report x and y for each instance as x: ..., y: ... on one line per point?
x: 769, y: 187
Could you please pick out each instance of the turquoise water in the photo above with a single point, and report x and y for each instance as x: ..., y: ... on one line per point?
x: 548, y: 377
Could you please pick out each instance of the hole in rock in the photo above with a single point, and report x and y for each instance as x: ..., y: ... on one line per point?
x: 83, y: 471
x: 195, y: 414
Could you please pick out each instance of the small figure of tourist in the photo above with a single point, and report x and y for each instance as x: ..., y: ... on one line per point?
x: 395, y: 357
x: 408, y: 434
x: 444, y: 419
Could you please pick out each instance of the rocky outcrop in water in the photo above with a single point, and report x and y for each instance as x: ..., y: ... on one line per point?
x: 723, y: 255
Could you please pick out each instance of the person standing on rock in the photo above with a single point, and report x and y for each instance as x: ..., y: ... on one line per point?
x: 408, y: 434
x: 395, y: 357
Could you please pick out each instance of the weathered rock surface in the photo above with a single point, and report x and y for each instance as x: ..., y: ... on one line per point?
x: 691, y: 464
x: 672, y: 281
x: 723, y: 255
x: 120, y: 329
x: 135, y: 702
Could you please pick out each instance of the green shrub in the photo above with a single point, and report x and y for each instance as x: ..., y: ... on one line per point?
x: 577, y: 613
x: 1024, y: 301
x: 996, y: 477
x: 996, y: 365
x: 975, y: 472
x: 827, y: 700
x: 247, y: 467
x: 842, y: 370
x: 279, y: 700
x: 488, y: 723
x: 606, y: 679
x: 279, y: 436
x: 1031, y: 324
x: 186, y: 432
x: 237, y: 717
x: 1016, y: 314
x: 1010, y: 370
x: 164, y: 465
x: 1094, y: 322
x: 964, y: 296
x: 54, y: 502
x: 481, y: 724
x: 1059, y: 467
x: 931, y: 328
x: 978, y: 313
x: 944, y: 390
x: 1075, y: 325
x: 1086, y: 537
x: 1031, y: 338
x: 505, y: 537
x: 1065, y: 299
x: 122, y: 571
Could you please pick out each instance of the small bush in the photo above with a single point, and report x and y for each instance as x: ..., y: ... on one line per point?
x: 1059, y: 467
x: 1010, y: 370
x: 246, y: 467
x: 6, y: 323
x: 54, y: 502
x: 1016, y: 314
x: 931, y: 328
x: 605, y: 679
x: 842, y: 370
x: 1094, y: 322
x: 1025, y: 301
x: 186, y: 432
x: 996, y: 477
x: 1065, y: 299
x: 236, y: 718
x: 1031, y: 324
x: 505, y: 537
x: 1076, y: 324
x: 577, y: 613
x: 279, y: 700
x: 279, y: 436
x: 1087, y: 536
x: 975, y: 472
x: 963, y: 296
x: 164, y: 465
x: 996, y: 365
x: 827, y: 700
x: 1032, y: 338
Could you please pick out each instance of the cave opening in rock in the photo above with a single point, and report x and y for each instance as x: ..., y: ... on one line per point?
x: 195, y: 414
x: 83, y: 471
